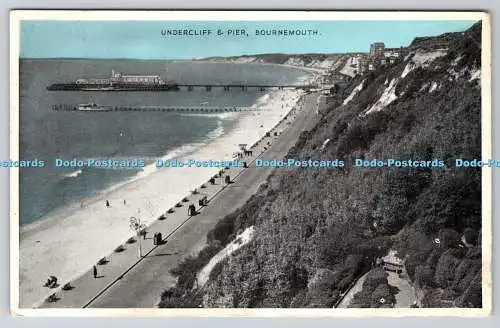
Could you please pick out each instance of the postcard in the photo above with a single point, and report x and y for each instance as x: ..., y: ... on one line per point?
x: 250, y: 163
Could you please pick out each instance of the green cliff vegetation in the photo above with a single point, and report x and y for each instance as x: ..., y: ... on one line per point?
x: 318, y: 230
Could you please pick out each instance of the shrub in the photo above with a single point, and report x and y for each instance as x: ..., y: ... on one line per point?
x: 217, y: 270
x: 472, y: 297
x: 470, y: 236
x: 178, y: 298
x: 374, y: 278
x: 52, y: 298
x: 300, y: 300
x: 318, y: 298
x: 67, y: 286
x: 223, y: 230
x: 188, y: 269
x: 413, y: 261
x: 102, y: 261
x: 382, y: 296
x: 424, y: 276
x: 448, y: 238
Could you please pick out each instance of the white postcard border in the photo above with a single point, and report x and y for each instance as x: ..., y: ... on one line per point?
x: 16, y: 16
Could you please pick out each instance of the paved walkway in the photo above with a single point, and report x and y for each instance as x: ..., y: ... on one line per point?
x: 406, y: 295
x: 127, y: 281
x: 358, y: 286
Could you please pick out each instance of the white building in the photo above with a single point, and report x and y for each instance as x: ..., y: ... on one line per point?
x: 147, y: 79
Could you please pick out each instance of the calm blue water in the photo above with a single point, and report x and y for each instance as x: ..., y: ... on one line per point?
x: 46, y: 134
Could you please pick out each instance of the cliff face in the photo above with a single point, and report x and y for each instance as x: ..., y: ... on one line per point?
x: 303, y: 60
x: 317, y: 230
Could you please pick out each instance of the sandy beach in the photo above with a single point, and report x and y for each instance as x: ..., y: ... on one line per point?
x: 127, y: 280
x: 69, y: 241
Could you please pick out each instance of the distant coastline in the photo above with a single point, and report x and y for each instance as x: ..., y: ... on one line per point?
x: 303, y: 68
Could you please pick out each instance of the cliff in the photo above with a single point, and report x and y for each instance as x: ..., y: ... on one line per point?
x: 316, y: 231
x: 300, y: 60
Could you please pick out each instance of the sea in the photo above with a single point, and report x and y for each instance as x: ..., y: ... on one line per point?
x: 47, y: 134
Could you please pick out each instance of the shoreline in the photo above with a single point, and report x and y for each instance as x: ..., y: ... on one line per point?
x: 302, y: 68
x: 44, y: 222
x: 65, y: 221
x: 184, y: 235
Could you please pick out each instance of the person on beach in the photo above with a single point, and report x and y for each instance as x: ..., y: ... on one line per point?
x: 107, y: 203
x: 94, y: 269
x: 51, y: 282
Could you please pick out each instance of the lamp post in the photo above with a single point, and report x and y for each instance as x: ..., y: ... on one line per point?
x: 140, y: 246
x: 136, y: 226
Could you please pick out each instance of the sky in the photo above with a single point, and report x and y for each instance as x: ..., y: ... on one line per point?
x: 144, y: 39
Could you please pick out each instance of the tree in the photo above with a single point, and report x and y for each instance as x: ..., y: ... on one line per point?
x: 382, y: 295
x: 374, y: 278
x: 470, y: 236
x: 424, y: 276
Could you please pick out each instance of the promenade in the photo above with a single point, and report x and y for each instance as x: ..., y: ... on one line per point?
x: 127, y: 281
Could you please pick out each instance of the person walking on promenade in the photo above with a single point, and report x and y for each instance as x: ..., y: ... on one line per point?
x: 95, y: 271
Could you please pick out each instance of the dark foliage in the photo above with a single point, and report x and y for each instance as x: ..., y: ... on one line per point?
x: 187, y: 270
x: 319, y: 230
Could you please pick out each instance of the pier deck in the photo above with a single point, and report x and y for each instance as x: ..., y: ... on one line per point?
x: 168, y: 109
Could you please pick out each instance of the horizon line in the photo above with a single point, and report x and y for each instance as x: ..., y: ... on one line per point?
x: 199, y: 58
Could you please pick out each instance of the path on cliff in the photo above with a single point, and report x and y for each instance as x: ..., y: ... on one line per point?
x: 405, y: 296
x: 356, y: 288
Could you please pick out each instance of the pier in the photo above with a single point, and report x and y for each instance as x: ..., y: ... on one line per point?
x: 172, y: 87
x: 244, y: 87
x: 169, y: 109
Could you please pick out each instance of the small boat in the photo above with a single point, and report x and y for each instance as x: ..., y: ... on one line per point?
x: 92, y: 107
